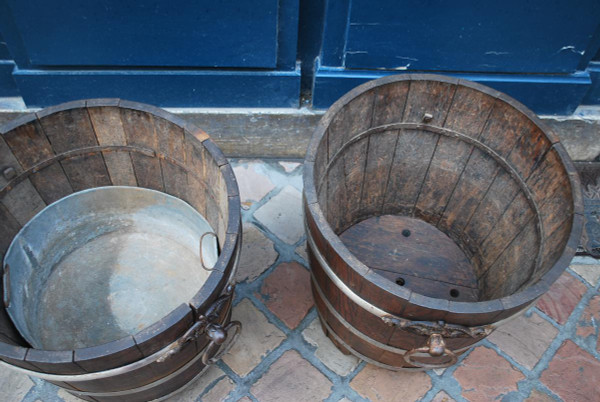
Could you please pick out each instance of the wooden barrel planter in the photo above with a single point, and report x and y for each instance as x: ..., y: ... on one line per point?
x: 435, y: 208
x: 86, y: 146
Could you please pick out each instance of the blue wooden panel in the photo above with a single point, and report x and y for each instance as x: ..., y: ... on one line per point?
x: 173, y: 88
x: 517, y: 36
x: 544, y: 94
x: 335, y: 32
x: 7, y: 83
x: 4, y: 54
x: 202, y: 33
x: 593, y: 95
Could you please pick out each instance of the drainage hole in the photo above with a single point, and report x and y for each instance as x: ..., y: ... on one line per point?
x: 454, y: 293
x: 406, y: 233
x: 400, y: 281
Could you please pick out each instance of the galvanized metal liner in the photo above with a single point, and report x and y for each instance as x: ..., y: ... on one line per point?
x: 103, y: 263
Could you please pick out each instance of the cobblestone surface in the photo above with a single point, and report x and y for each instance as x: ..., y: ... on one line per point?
x: 550, y: 353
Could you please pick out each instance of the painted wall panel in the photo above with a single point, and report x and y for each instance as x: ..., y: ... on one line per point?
x: 158, y: 33
x: 513, y: 36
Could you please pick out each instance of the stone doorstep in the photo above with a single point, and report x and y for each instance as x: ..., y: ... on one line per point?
x: 285, y: 133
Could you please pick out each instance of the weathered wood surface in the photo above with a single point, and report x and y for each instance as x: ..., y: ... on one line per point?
x: 413, y: 253
x: 464, y: 159
x: 102, y: 142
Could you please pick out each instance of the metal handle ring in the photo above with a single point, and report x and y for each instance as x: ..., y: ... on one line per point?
x: 202, y: 254
x: 220, y: 342
x: 436, y: 347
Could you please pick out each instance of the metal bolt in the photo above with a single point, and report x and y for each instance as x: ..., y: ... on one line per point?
x: 427, y: 117
x: 9, y: 173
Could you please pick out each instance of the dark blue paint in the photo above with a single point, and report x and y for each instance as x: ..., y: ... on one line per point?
x: 593, y: 95
x: 544, y: 94
x: 287, y: 43
x: 163, y: 33
x: 4, y: 53
x: 7, y: 83
x: 335, y: 30
x: 310, y: 37
x: 174, y: 88
x: 515, y: 36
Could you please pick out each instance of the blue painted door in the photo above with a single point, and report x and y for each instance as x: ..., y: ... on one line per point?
x: 147, y: 33
x: 173, y: 53
x: 544, y: 36
x: 535, y: 50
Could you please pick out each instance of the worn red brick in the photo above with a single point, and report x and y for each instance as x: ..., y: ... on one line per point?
x: 377, y: 384
x: 286, y: 292
x: 525, y: 339
x: 573, y: 374
x: 442, y: 397
x: 538, y: 396
x: 589, y: 323
x: 292, y: 378
x: 486, y: 376
x: 562, y: 298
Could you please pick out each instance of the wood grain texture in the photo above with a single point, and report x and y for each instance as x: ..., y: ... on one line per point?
x: 30, y: 146
x: 390, y: 103
x: 414, y: 253
x: 377, y: 172
x: 23, y: 201
x: 429, y: 97
x: 107, y: 356
x: 413, y: 153
x: 108, y: 128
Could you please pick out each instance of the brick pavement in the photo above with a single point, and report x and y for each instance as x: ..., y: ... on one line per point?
x: 551, y: 353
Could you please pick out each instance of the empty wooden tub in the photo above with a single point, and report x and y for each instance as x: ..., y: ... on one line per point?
x: 110, y: 160
x: 435, y: 209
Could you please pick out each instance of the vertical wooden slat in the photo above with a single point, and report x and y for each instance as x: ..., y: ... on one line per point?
x: 492, y: 207
x: 514, y: 266
x: 176, y: 182
x: 446, y: 166
x: 30, y: 146
x: 139, y: 132
x: 69, y: 130
x: 353, y: 119
x: 379, y: 162
x: 411, y: 159
x: 107, y: 125
x: 529, y: 150
x: 467, y: 115
x: 7, y: 161
x: 476, y: 179
x: 516, y: 216
x: 170, y: 139
x: 337, y: 195
x: 390, y: 102
x: 431, y: 97
x: 23, y: 201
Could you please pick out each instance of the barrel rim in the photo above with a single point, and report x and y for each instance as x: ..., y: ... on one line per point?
x: 209, y: 291
x: 515, y: 300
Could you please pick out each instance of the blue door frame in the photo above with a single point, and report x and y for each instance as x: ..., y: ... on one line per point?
x: 261, y: 54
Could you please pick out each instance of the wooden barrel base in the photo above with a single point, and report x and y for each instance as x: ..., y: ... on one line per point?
x: 415, y: 254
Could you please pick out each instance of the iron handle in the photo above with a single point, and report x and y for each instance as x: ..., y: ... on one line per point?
x: 6, y: 286
x: 206, y: 324
x: 221, y: 341
x: 436, y: 347
x: 202, y: 254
